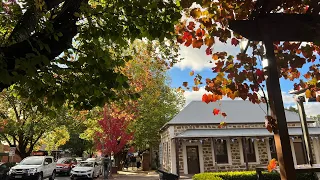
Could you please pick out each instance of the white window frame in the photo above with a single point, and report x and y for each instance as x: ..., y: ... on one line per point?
x: 268, y: 147
x: 184, y: 151
x: 255, y: 143
x: 228, y: 151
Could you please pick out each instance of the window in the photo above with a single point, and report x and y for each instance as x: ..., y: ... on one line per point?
x: 273, y: 150
x: 32, y: 160
x: 221, y: 152
x: 251, y: 152
x: 48, y: 160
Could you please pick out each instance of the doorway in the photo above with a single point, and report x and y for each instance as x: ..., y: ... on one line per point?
x: 300, y: 153
x: 193, y: 159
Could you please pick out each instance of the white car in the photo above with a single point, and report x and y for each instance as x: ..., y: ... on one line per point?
x: 34, y: 167
x: 86, y: 169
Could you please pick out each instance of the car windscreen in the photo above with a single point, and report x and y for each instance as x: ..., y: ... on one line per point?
x: 86, y: 164
x: 64, y: 161
x: 32, y: 161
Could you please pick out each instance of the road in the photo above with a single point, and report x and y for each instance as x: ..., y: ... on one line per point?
x: 62, y: 178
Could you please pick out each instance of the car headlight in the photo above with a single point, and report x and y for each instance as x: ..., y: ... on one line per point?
x: 33, y: 170
x: 65, y: 167
x: 12, y: 171
x: 90, y: 170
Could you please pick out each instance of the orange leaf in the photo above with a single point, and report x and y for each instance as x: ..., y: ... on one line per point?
x: 200, y: 32
x: 216, y: 111
x: 197, y: 43
x: 191, y: 73
x: 215, y: 57
x: 308, y: 93
x: 188, y: 42
x: 272, y: 165
x: 209, y: 41
x: 224, y: 114
x: 205, y: 98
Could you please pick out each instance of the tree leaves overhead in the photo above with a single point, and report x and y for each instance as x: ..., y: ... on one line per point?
x: 68, y: 49
x: 241, y: 76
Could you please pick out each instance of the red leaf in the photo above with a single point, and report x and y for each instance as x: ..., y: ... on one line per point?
x: 208, y: 51
x: 185, y: 84
x: 187, y: 35
x: 205, y: 98
x: 191, y: 26
x: 224, y: 114
x: 234, y: 41
x: 216, y: 111
x: 259, y: 72
x: 188, y: 43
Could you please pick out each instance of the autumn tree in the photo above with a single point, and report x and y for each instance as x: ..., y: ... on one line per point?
x: 114, y: 133
x: 54, y: 139
x: 67, y: 49
x: 23, y: 125
x: 158, y: 102
x: 241, y: 75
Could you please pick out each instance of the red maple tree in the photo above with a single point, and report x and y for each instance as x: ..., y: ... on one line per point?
x: 114, y: 133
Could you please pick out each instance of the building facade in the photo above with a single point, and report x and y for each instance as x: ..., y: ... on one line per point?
x: 193, y: 142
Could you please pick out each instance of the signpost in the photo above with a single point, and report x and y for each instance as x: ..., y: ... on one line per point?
x: 12, y: 152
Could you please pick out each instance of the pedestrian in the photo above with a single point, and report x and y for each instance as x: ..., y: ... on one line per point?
x: 157, y: 160
x: 106, y: 166
x: 138, y: 160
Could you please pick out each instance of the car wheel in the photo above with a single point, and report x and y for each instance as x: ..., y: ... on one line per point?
x: 40, y: 177
x: 53, y: 176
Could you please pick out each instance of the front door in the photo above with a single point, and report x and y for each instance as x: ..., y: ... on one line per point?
x: 193, y: 159
x: 300, y: 153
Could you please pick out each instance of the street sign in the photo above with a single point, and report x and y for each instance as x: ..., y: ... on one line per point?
x: 12, y: 151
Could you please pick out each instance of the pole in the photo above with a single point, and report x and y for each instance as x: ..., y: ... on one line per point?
x: 177, y: 144
x: 245, y: 150
x: 282, y: 141
x: 305, y: 130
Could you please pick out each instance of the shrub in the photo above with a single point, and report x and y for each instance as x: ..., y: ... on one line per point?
x: 247, y: 175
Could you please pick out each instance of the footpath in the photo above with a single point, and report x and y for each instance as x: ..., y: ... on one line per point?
x: 133, y: 174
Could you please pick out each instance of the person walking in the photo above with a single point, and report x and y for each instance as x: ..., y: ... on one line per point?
x: 106, y: 167
x: 138, y: 160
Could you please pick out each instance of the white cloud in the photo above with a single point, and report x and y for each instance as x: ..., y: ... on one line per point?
x: 312, y: 109
x: 196, y: 59
x: 194, y: 95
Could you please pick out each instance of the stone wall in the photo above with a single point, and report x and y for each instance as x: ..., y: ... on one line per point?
x: 237, y: 162
x: 166, y: 150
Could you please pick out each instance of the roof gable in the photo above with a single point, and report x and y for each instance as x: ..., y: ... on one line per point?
x: 238, y: 112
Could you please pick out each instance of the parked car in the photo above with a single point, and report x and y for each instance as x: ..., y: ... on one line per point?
x: 79, y: 159
x: 34, y: 167
x: 64, y: 165
x: 86, y: 169
x: 4, y: 169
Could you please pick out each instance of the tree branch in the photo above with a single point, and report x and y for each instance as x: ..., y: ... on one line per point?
x: 65, y: 23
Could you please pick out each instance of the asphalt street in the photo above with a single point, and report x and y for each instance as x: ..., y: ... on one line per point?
x: 62, y: 178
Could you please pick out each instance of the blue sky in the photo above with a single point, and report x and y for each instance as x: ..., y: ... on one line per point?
x: 197, y: 60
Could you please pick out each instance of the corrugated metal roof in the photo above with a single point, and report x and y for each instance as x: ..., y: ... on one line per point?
x: 238, y: 111
x: 248, y: 132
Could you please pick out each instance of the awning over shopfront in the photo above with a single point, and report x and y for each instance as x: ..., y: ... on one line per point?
x: 247, y: 132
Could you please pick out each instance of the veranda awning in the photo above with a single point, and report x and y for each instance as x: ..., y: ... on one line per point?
x: 247, y: 132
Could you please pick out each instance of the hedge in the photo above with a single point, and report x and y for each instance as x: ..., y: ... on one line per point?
x: 247, y: 175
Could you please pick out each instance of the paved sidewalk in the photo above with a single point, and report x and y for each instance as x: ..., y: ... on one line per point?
x: 139, y: 175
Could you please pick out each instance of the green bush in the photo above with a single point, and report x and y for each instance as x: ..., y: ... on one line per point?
x: 247, y: 175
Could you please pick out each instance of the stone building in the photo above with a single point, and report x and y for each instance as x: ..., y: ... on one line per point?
x: 192, y: 142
